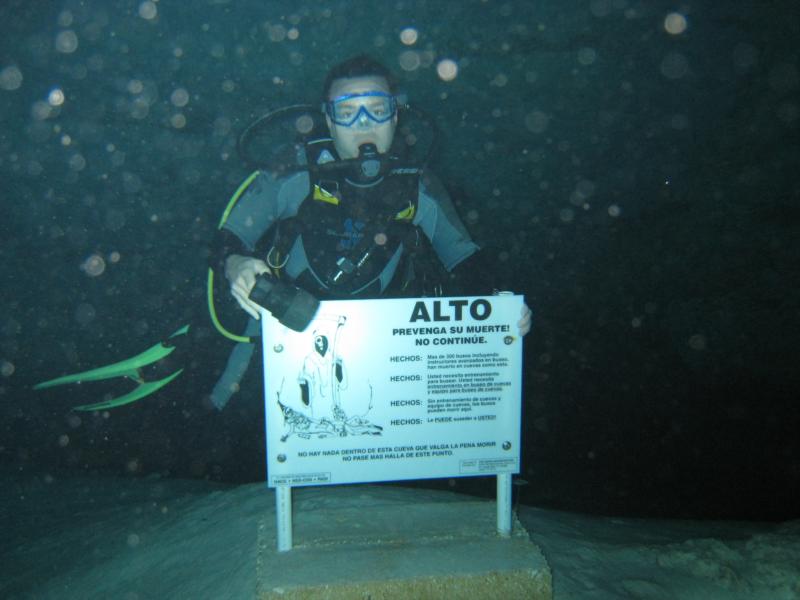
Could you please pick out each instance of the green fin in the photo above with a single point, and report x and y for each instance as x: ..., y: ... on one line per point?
x: 125, y: 368
x: 142, y: 390
x: 129, y: 368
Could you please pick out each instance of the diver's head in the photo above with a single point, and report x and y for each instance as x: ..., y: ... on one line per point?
x: 360, y: 106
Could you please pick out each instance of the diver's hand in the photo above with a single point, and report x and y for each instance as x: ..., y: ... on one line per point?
x: 524, y: 323
x: 241, y: 272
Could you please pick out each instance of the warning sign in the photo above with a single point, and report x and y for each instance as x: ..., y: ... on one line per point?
x: 382, y: 390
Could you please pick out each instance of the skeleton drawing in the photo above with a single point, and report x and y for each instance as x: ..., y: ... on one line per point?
x: 322, y: 410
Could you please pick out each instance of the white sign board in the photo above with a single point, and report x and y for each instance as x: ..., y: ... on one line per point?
x: 383, y: 390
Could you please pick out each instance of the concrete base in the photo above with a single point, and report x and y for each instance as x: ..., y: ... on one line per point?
x: 380, y: 542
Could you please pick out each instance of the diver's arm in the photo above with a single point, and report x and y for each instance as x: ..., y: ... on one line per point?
x: 265, y: 201
x: 439, y: 220
x: 472, y: 270
x: 231, y: 256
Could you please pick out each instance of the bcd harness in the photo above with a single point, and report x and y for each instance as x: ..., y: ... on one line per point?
x: 347, y: 234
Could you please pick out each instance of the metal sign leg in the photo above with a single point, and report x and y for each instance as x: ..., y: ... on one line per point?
x: 504, y: 505
x: 283, y: 512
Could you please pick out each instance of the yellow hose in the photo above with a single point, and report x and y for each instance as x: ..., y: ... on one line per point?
x: 212, y: 311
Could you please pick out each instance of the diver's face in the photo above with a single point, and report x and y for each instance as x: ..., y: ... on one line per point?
x: 347, y: 139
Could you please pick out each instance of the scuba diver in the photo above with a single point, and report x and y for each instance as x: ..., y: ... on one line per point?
x: 357, y: 221
x: 347, y: 214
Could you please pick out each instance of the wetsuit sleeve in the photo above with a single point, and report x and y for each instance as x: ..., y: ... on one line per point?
x: 268, y: 199
x: 438, y: 219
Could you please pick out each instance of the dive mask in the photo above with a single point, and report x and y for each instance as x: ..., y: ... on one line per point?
x: 363, y: 109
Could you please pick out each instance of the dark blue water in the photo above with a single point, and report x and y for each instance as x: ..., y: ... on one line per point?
x: 638, y: 185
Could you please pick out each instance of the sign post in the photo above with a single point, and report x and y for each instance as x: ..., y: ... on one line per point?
x: 385, y: 390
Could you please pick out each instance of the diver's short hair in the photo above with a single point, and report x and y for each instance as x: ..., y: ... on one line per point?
x: 362, y: 65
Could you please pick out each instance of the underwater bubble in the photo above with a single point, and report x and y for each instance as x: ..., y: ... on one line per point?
x: 133, y: 540
x: 114, y: 257
x: 293, y: 33
x: 135, y: 86
x: 85, y: 313
x: 409, y: 36
x: 447, y: 69
x: 218, y: 51
x: 276, y: 33
x: 380, y: 239
x: 566, y: 215
x: 500, y: 80
x: 34, y: 168
x: 6, y: 368
x: 674, y: 65
x: 94, y: 265
x: 63, y: 440
x: 74, y: 421
x: 66, y: 41
x: 148, y: 10
x: 304, y: 124
x: 585, y: 188
x: 536, y: 121
x: 675, y: 23
x: 228, y: 86
x: 140, y: 108
x: 472, y: 216
x: 409, y: 60
x: 614, y: 210
x: 77, y: 162
x: 587, y: 56
x: 55, y: 97
x: 179, y: 97
x: 222, y: 126
x: 10, y: 78
x: 697, y: 342
x: 178, y: 121
x: 679, y: 122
